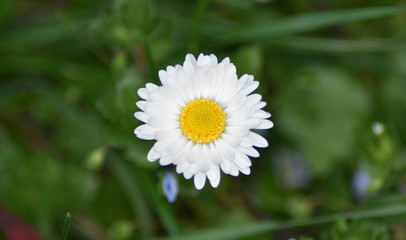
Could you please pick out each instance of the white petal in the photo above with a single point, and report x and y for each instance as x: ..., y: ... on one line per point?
x: 226, y: 60
x: 193, y: 154
x: 246, y: 171
x: 160, y: 146
x: 224, y: 149
x: 151, y: 87
x: 141, y: 116
x: 189, y: 68
x: 198, y: 83
x: 181, y: 155
x: 164, y: 161
x: 162, y: 122
x: 153, y: 155
x: 170, y: 95
x: 249, y: 88
x: 190, y: 58
x: 194, y: 168
x: 231, y: 140
x: 237, y: 117
x: 246, y: 142
x: 261, y: 114
x: 163, y: 77
x: 205, y: 162
x: 141, y: 104
x: 249, y: 151
x: 228, y: 86
x: 252, y: 100
x: 259, y: 105
x: 234, y: 170
x: 187, y: 174
x: 235, y: 104
x: 167, y: 134
x: 184, y: 85
x: 143, y: 93
x: 199, y: 180
x: 213, y: 59
x: 209, y: 76
x: 214, y: 175
x: 171, y: 71
x: 176, y: 145
x: 226, y: 166
x: 214, y: 155
x: 161, y: 109
x: 182, y: 166
x: 237, y: 131
x: 241, y: 160
x: 242, y: 81
x: 251, y: 123
x: 265, y: 124
x: 144, y: 132
x: 258, y: 140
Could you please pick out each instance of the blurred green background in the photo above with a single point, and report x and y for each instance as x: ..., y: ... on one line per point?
x: 332, y: 71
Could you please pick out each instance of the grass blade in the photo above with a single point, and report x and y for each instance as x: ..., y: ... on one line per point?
x: 66, y: 227
x: 141, y: 190
x: 131, y: 187
x: 307, y: 22
x: 337, y: 45
x: 193, y: 45
x: 251, y: 229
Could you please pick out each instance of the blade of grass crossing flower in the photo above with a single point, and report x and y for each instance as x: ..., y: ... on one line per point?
x: 133, y: 192
x: 256, y: 228
x: 66, y: 227
x: 307, y: 22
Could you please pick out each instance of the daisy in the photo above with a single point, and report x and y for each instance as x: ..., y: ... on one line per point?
x: 201, y: 119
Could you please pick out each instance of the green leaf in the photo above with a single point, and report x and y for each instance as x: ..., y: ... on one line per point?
x: 307, y: 22
x: 66, y: 227
x: 260, y: 227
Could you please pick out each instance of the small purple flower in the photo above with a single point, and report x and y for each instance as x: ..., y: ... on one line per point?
x: 170, y: 186
x: 360, y: 183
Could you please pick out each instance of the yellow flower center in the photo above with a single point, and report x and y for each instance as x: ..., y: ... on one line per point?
x: 202, y: 120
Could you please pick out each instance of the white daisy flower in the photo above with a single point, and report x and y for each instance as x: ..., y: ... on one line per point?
x: 201, y: 119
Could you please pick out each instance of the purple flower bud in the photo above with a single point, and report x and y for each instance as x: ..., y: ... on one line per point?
x: 170, y: 186
x: 360, y: 183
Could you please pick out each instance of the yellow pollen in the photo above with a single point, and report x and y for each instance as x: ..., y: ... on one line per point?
x: 202, y: 120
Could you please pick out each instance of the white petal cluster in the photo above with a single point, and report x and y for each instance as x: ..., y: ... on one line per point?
x: 204, y: 78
